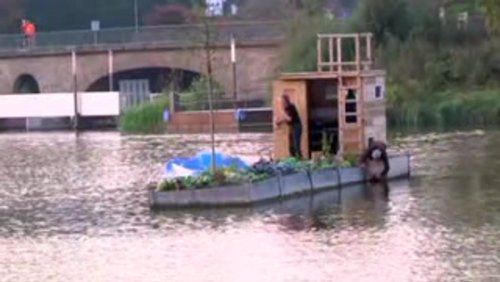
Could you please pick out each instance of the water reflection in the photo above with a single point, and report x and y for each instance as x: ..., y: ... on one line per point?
x: 76, y: 210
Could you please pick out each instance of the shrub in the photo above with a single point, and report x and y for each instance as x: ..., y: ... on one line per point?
x: 195, y: 98
x: 145, y: 118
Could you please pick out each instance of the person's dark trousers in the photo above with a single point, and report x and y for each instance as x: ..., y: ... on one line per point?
x: 295, y: 138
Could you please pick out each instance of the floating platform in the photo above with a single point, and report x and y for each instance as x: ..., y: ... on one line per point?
x: 276, y: 188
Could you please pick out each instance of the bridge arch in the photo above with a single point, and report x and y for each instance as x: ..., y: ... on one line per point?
x: 26, y: 83
x: 134, y: 65
x: 158, y: 78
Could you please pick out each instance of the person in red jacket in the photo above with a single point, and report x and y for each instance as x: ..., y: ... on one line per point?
x: 29, y: 31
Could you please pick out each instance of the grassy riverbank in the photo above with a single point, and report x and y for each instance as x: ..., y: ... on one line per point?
x: 448, y: 82
x: 445, y: 109
x: 439, y: 73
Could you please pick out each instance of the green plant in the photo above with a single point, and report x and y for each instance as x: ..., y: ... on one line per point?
x: 145, y: 118
x: 326, y: 145
x: 350, y: 160
x: 165, y: 186
x: 491, y: 8
x: 300, y: 52
x: 195, y: 98
x: 384, y: 18
x: 234, y: 176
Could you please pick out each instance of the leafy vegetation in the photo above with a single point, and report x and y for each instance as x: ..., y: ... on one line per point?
x: 195, y: 98
x: 145, y: 118
x: 258, y: 172
x: 300, y: 53
x: 449, y: 109
x: 491, y: 9
x: 439, y: 72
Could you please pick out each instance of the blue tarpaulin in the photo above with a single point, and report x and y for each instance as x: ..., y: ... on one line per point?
x: 182, y: 167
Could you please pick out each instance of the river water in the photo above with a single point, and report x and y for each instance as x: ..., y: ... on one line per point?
x: 75, y: 209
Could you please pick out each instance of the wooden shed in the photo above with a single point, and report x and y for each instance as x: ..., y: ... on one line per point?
x: 344, y: 98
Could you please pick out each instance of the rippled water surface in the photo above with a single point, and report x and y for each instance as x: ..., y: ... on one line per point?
x: 75, y: 209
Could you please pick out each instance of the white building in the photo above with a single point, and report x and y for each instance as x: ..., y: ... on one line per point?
x: 215, y: 7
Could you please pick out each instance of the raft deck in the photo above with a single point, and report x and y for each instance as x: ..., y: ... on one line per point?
x: 276, y: 188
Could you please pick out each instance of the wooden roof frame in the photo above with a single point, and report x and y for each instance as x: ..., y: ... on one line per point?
x: 333, y: 59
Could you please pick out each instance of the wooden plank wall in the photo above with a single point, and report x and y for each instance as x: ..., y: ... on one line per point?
x: 199, y: 122
x: 297, y: 91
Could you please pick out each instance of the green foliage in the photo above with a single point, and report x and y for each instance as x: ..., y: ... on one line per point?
x: 438, y: 74
x: 450, y: 108
x: 195, y: 98
x: 326, y: 145
x: 145, y: 118
x: 221, y: 177
x: 350, y: 160
x: 467, y: 6
x: 491, y: 9
x: 431, y: 92
x: 384, y: 18
x: 234, y: 176
x: 300, y: 52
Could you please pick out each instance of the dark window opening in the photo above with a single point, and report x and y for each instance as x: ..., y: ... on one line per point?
x: 351, y: 95
x: 351, y: 119
x: 351, y: 107
x: 378, y: 92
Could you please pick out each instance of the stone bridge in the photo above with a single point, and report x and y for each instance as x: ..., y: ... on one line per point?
x: 47, y: 66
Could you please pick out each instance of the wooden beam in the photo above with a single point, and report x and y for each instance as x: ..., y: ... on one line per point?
x: 330, y: 51
x: 369, y: 48
x: 343, y: 35
x: 358, y: 53
x: 339, y: 54
x: 320, y: 57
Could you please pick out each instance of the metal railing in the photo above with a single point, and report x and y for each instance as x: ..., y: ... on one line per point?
x: 184, y: 35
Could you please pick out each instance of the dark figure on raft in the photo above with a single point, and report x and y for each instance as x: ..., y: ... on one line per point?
x: 375, y: 161
x: 292, y: 119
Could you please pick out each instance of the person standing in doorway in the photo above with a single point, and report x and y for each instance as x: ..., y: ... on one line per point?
x: 292, y: 119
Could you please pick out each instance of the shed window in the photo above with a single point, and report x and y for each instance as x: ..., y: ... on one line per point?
x: 351, y: 107
x: 378, y: 92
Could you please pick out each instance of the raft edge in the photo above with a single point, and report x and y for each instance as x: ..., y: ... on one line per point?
x: 273, y: 189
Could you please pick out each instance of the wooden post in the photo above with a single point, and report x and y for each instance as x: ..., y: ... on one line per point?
x: 339, y: 54
x: 110, y: 70
x: 369, y: 47
x: 233, y: 64
x: 330, y: 50
x: 172, y: 102
x: 358, y: 56
x: 319, y: 57
x: 75, y: 91
x: 340, y: 115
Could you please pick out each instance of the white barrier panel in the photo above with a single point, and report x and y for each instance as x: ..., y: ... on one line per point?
x: 59, y: 105
x: 36, y: 105
x: 99, y: 104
